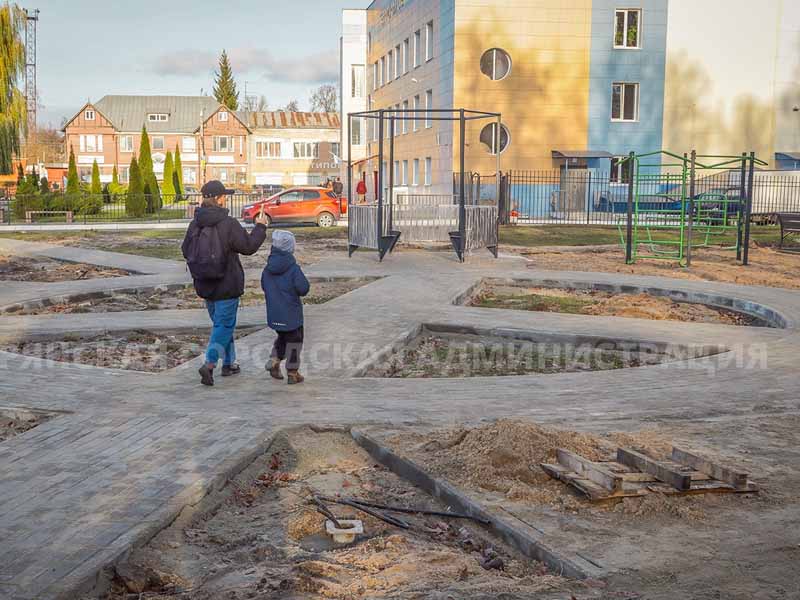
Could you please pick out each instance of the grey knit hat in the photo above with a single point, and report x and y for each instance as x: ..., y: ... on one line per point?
x: 283, y: 240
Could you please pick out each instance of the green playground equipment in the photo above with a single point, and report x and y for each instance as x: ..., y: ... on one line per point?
x: 699, y: 199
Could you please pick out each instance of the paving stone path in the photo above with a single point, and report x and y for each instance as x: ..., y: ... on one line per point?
x: 128, y: 450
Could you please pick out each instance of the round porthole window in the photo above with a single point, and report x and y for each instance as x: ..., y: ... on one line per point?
x: 489, y: 137
x: 495, y: 64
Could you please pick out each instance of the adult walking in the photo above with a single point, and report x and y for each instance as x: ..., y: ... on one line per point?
x: 211, y: 248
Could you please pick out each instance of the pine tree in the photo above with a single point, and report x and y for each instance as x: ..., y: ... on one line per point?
x: 177, y: 177
x: 149, y: 181
x: 224, y: 85
x: 167, y: 186
x: 97, y: 187
x: 135, y: 202
x: 44, y: 186
x: 73, y: 183
x: 115, y: 176
x: 145, y: 157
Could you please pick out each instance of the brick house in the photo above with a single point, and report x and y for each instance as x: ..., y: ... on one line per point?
x: 213, y: 140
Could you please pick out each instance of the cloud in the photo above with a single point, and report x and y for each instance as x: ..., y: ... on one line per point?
x: 321, y: 67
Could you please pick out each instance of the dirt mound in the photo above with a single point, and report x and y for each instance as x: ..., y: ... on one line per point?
x: 48, y: 270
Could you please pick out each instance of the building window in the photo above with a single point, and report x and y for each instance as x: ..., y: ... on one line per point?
x: 389, y: 66
x: 428, y: 106
x: 223, y: 115
x: 355, y: 131
x: 85, y: 174
x: 495, y: 64
x: 124, y: 174
x: 189, y: 175
x: 126, y: 143
x: 625, y: 102
x: 189, y: 144
x: 417, y: 48
x: 396, y: 180
x: 620, y: 171
x: 306, y: 149
x: 404, y: 116
x: 375, y: 76
x: 222, y: 143
x: 336, y: 150
x: 417, y: 106
x: 91, y: 143
x: 488, y: 137
x: 88, y: 115
x: 406, y: 55
x: 268, y: 149
x: 157, y: 117
x: 428, y: 171
x: 627, y: 34
x: 429, y: 41
x: 158, y: 142
x: 357, y: 81
x: 405, y: 172
x: 415, y: 173
x: 398, y: 62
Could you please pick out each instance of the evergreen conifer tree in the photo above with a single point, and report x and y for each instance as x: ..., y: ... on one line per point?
x: 224, y: 85
x: 135, y: 202
x: 168, y: 186
x: 97, y: 187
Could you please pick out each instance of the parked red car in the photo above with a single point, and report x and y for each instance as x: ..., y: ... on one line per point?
x: 299, y: 205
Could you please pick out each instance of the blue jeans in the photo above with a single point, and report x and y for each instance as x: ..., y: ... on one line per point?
x: 223, y: 316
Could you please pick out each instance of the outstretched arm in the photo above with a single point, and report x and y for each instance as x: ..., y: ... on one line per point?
x: 247, y: 243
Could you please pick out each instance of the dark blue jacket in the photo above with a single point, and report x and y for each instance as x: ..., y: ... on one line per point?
x: 284, y: 283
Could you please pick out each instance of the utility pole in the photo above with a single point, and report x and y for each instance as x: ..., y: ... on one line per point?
x: 31, y: 18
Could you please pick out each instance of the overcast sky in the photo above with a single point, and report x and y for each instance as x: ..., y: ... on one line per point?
x: 86, y: 49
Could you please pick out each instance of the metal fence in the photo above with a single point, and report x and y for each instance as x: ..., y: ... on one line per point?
x: 592, y: 197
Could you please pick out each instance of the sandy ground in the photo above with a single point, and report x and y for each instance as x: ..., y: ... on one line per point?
x: 321, y: 292
x: 767, y: 266
x: 135, y: 350
x: 590, y: 302
x: 24, y: 268
x: 261, y: 538
x: 454, y: 355
x: 13, y: 423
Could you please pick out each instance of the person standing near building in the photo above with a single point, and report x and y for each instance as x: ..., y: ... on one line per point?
x: 338, y: 187
x: 211, y: 248
x: 361, y: 191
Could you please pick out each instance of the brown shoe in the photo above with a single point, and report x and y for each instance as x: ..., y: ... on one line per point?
x: 293, y: 377
x: 274, y: 368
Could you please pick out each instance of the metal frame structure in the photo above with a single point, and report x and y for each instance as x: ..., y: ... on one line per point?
x: 31, y: 18
x: 386, y: 234
x: 661, y: 203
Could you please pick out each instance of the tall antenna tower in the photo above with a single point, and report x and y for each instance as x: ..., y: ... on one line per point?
x: 32, y: 17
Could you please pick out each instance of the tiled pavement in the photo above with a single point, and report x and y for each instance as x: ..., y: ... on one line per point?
x: 133, y: 448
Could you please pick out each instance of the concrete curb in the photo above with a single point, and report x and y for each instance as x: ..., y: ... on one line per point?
x: 574, y: 567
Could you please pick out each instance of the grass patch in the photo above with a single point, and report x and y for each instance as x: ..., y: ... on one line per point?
x: 534, y: 302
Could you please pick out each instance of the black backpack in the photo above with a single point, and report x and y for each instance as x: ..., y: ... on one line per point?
x: 206, y: 254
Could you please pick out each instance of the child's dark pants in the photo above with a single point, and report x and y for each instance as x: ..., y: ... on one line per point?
x: 289, y: 343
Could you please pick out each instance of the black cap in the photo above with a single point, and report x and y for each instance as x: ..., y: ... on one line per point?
x: 214, y: 188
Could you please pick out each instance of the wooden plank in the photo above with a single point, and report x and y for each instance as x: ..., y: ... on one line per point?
x: 589, y: 470
x: 588, y: 488
x: 679, y: 481
x: 735, y: 478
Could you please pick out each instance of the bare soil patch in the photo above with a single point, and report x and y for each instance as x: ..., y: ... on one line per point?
x: 460, y: 355
x: 48, y: 270
x: 767, y: 267
x: 138, y: 350
x: 183, y: 298
x: 600, y: 303
x: 13, y: 422
x: 261, y: 538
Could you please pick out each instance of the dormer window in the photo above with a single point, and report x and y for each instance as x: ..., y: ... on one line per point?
x: 157, y: 117
x: 223, y: 116
x: 88, y: 114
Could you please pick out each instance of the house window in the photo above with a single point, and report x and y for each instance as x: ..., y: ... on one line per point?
x: 415, y: 173
x: 306, y: 149
x: 126, y: 143
x: 89, y: 143
x: 406, y: 55
x: 357, y: 81
x: 222, y: 143
x: 404, y: 115
x: 336, y: 150
x: 488, y: 137
x: 417, y: 48
x: 223, y: 115
x: 355, y: 132
x: 625, y: 102
x: 405, y: 172
x: 429, y: 41
x: 627, y: 34
x: 397, y: 123
x: 88, y: 115
x: 124, y: 174
x: 428, y: 105
x: 620, y: 171
x: 189, y: 175
x: 381, y: 70
x: 416, y: 112
x: 495, y: 64
x: 189, y: 144
x: 85, y: 174
x: 398, y: 62
x: 158, y: 142
x: 268, y: 149
x: 157, y: 117
x: 396, y: 180
x: 389, y: 66
x: 428, y: 171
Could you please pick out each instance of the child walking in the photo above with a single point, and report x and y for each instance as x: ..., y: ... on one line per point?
x: 284, y: 285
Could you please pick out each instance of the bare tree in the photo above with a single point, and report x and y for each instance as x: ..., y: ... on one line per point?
x: 292, y: 106
x: 253, y: 103
x: 325, y: 99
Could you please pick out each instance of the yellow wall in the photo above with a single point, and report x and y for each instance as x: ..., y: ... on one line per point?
x: 721, y: 74
x: 544, y: 101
